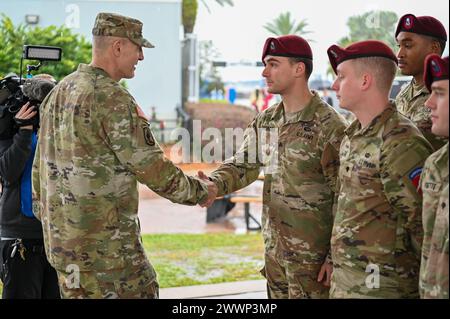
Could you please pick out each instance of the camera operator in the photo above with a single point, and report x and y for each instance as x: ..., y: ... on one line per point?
x: 24, y: 269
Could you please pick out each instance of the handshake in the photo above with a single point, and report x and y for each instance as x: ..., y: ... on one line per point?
x: 212, y: 189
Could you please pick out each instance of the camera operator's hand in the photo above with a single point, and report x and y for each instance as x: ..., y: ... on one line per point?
x: 24, y: 116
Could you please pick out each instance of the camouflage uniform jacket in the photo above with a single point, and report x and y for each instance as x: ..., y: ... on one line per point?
x: 93, y: 149
x: 298, y: 196
x: 378, y: 220
x: 410, y: 102
x: 434, y: 266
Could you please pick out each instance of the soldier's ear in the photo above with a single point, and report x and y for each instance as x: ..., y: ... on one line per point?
x: 436, y: 47
x: 117, y: 47
x: 300, y: 69
x: 366, y: 81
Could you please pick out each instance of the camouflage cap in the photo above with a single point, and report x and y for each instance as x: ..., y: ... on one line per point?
x: 112, y: 24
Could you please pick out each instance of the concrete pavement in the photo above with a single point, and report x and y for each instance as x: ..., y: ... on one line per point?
x: 252, y: 289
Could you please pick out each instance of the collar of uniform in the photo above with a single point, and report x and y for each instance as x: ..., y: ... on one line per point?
x: 93, y: 70
x: 305, y: 115
x: 412, y: 90
x: 444, y: 149
x: 278, y: 112
x: 443, y: 161
x: 374, y: 126
x: 419, y: 89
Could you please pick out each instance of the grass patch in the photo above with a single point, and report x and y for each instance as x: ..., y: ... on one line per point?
x: 213, y: 101
x: 197, y: 259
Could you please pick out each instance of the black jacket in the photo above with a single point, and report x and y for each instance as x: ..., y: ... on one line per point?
x: 14, y: 154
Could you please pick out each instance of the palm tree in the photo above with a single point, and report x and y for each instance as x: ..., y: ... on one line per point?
x: 284, y: 24
x: 190, y: 12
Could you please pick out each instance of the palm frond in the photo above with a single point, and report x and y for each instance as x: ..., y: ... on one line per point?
x: 220, y: 2
x: 284, y: 24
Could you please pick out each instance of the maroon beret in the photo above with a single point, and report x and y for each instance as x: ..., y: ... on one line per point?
x: 362, y: 49
x: 436, y: 69
x: 291, y: 46
x: 424, y: 25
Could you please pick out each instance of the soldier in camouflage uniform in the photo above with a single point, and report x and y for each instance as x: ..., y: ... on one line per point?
x: 417, y: 37
x: 95, y: 145
x: 377, y: 232
x: 434, y: 181
x: 298, y: 192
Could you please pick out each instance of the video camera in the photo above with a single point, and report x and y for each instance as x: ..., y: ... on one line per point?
x: 15, y: 91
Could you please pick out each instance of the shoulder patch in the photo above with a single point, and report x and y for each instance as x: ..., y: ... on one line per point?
x: 148, y: 136
x: 414, y: 177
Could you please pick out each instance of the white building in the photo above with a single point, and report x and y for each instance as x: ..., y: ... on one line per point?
x: 158, y: 77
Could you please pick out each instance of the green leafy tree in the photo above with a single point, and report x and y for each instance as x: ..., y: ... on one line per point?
x: 190, y: 12
x: 372, y: 25
x: 76, y: 49
x: 284, y: 24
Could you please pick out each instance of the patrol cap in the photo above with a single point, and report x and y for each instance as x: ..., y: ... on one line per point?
x: 424, y: 25
x: 362, y: 49
x: 291, y: 46
x: 112, y: 24
x: 436, y: 69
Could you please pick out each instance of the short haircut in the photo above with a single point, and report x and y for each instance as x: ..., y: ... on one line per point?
x: 100, y: 42
x: 308, y: 65
x: 441, y: 43
x: 382, y: 69
x: 45, y: 76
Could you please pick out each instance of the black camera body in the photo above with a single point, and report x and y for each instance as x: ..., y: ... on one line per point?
x: 15, y: 91
x: 11, y: 94
x: 11, y: 100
